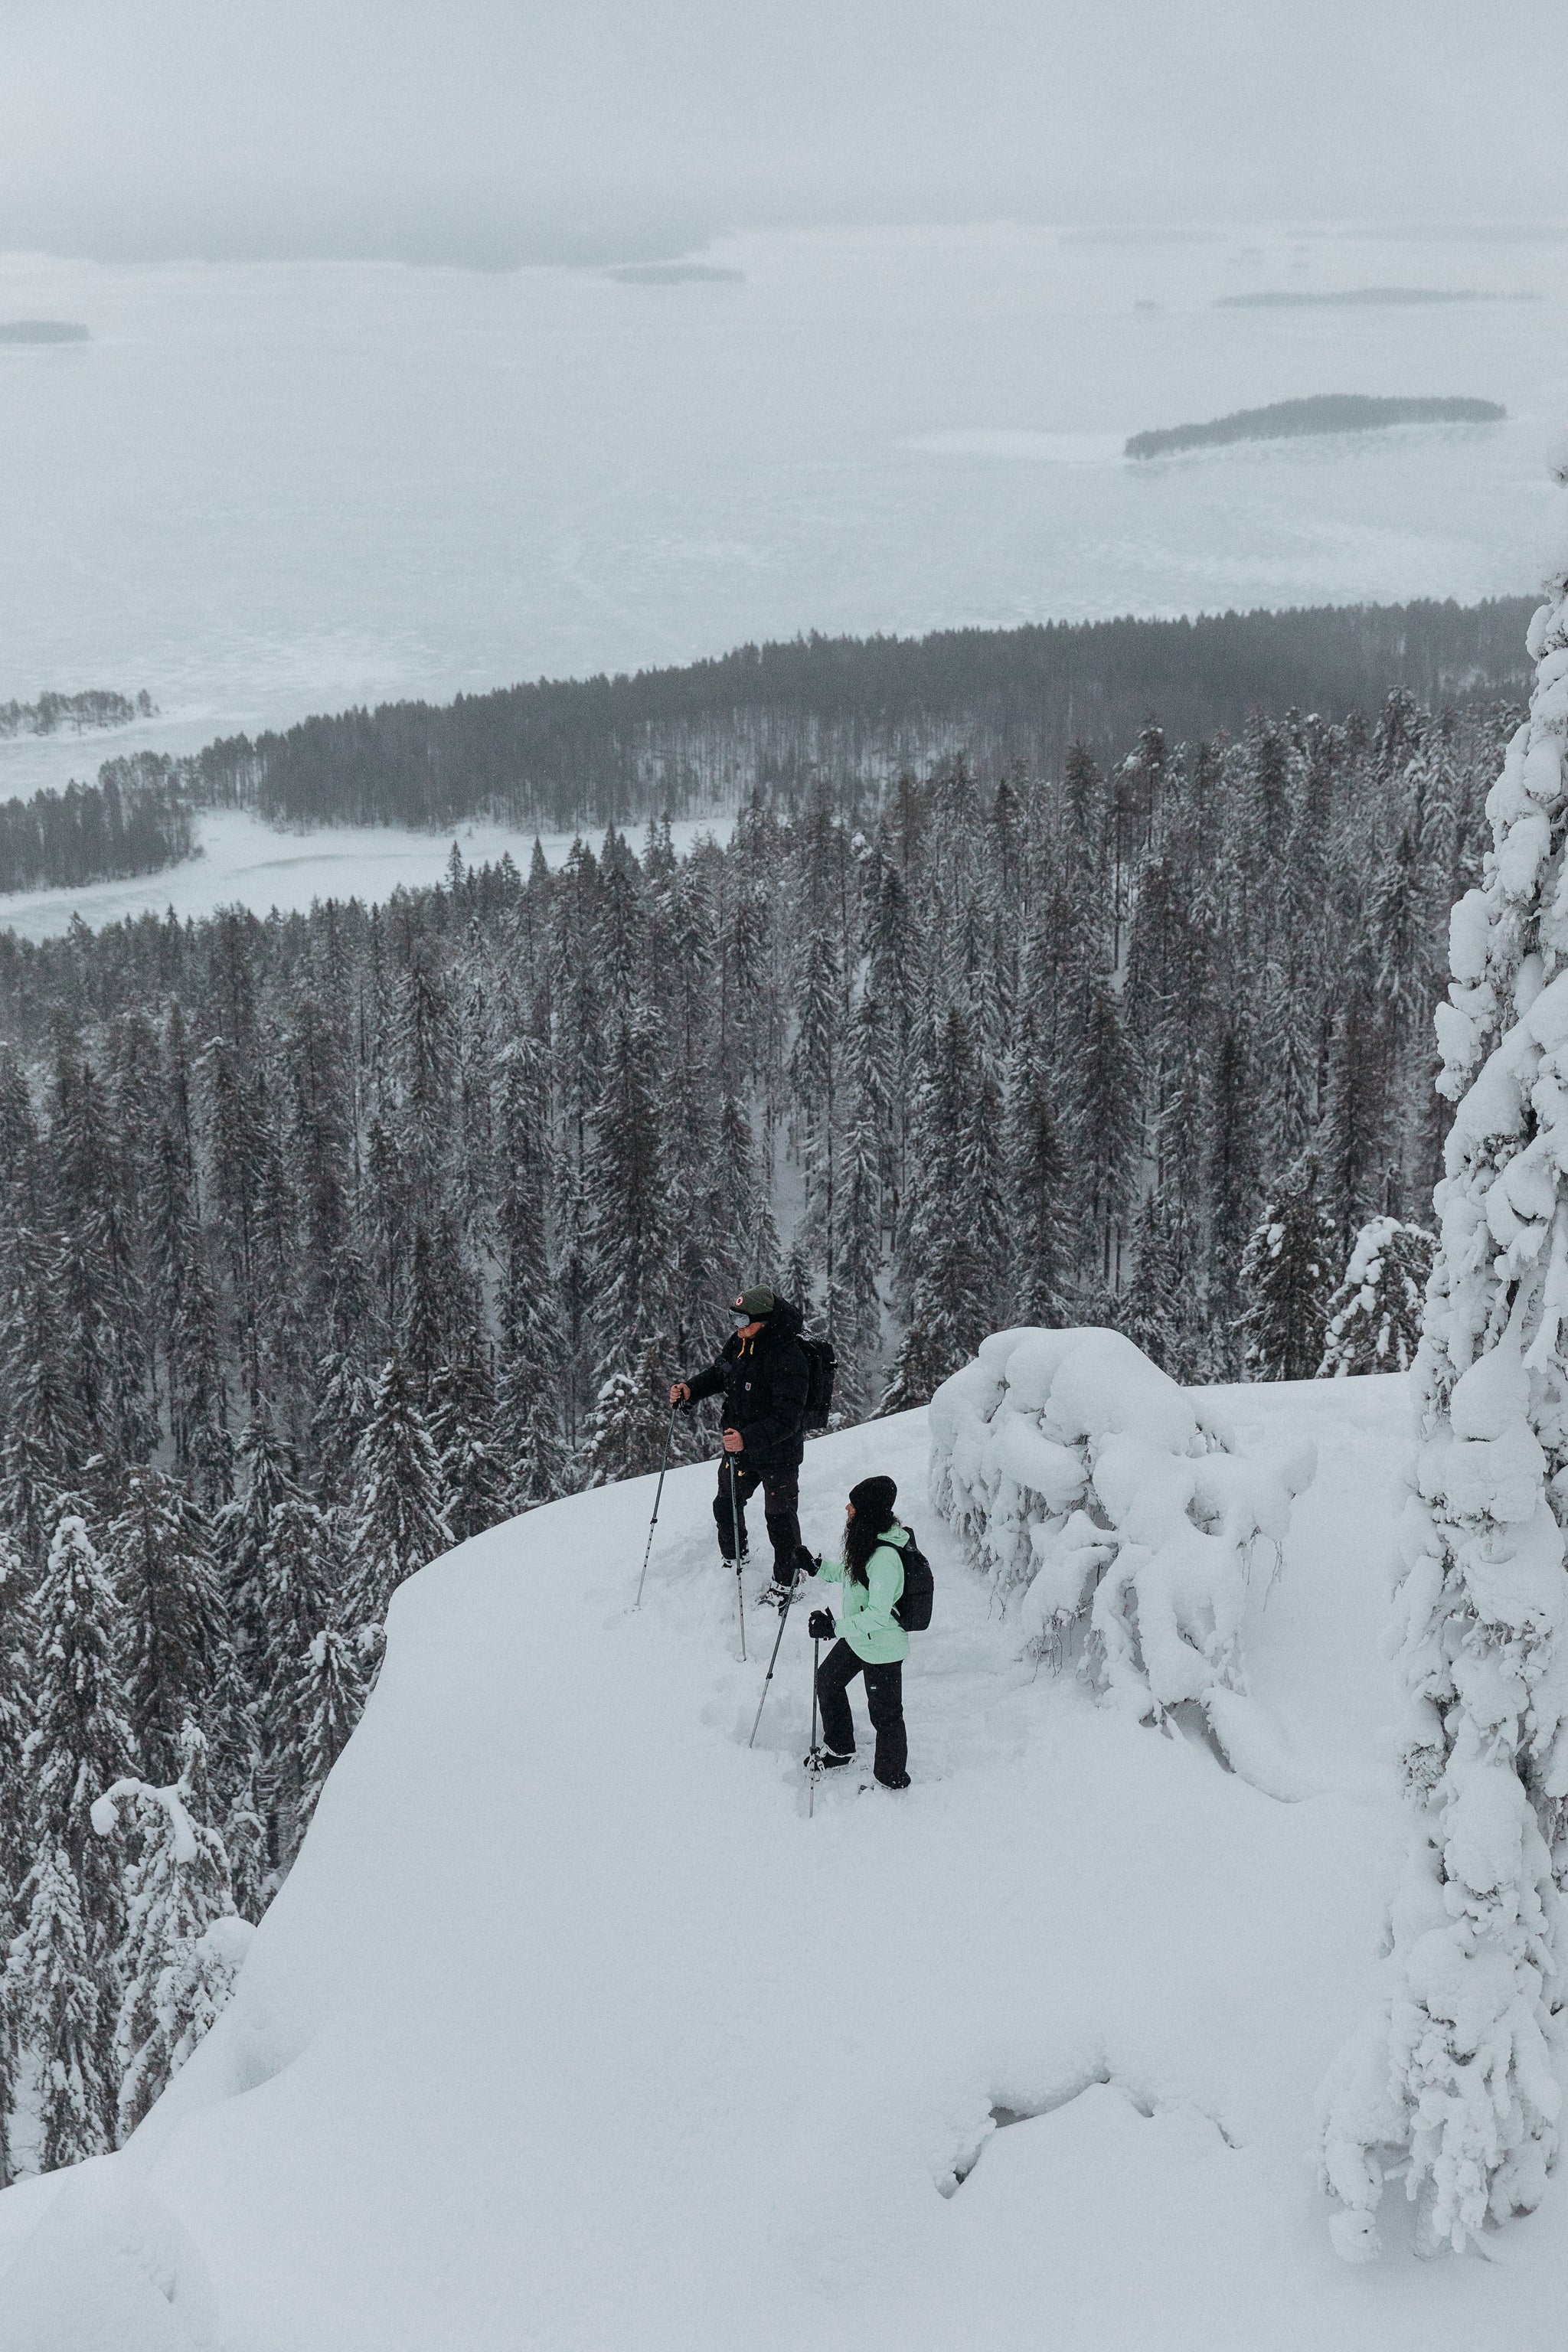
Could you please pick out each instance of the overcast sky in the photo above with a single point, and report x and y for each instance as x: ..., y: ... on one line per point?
x: 491, y: 130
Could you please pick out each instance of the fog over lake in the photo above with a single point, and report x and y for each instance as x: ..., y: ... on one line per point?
x: 264, y: 490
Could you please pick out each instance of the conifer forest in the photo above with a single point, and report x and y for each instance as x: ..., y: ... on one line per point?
x: 331, y: 1240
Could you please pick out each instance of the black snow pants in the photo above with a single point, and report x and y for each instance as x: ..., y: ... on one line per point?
x: 884, y: 1703
x: 779, y: 1483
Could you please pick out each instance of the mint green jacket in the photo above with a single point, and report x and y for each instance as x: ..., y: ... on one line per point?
x: 867, y: 1621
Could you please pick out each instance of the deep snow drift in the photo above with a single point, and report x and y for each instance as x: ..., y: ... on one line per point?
x: 570, y: 2028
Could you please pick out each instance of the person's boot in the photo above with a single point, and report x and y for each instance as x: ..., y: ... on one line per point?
x: 823, y: 1760
x: 786, y: 1577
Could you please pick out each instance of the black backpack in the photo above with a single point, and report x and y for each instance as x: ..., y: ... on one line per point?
x: 913, y: 1608
x: 821, y: 1365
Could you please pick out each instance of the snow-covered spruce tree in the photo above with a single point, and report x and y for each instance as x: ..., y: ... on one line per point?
x: 183, y: 1938
x: 950, y: 1265
x: 396, y: 1522
x: 1287, y: 1280
x: 9, y: 2050
x: 1453, y: 2079
x: 16, y: 1645
x: 53, y: 2009
x: 1287, y: 1059
x: 16, y: 1714
x: 1232, y: 1174
x: 1351, y: 1139
x: 344, y: 1397
x: 1155, y: 1307
x: 856, y: 1311
x: 680, y: 946
x: 795, y: 1282
x: 240, y: 1530
x: 1375, y: 1315
x: 96, y: 1285
x: 1036, y: 1167
x: 817, y: 1075
x: 43, y: 1438
x: 462, y: 1410
x: 302, y: 1571
x: 1105, y: 1123
x: 746, y: 1234
x: 631, y: 1416
x: 530, y: 1348
x: 80, y: 1738
x: 330, y: 1700
x: 629, y: 1212
x: 174, y: 1628
x: 187, y: 1316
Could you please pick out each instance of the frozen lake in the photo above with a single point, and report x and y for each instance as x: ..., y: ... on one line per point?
x: 246, y: 862
x: 264, y: 491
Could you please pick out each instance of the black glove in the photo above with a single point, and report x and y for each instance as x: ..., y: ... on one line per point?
x: 819, y: 1625
x: 807, y: 1562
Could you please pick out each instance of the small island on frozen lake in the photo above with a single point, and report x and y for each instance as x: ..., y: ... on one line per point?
x: 42, y: 331
x: 1325, y: 412
x: 674, y: 273
x: 1358, y: 298
x: 52, y: 714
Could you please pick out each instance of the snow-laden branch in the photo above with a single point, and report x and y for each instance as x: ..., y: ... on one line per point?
x: 183, y: 1941
x: 181, y: 1830
x: 1101, y: 1496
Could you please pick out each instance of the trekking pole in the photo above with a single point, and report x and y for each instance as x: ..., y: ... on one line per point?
x: 658, y: 1498
x: 783, y: 1621
x: 812, y: 1766
x: 735, y: 1532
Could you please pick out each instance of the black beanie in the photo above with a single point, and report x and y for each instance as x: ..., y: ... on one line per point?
x: 873, y: 1499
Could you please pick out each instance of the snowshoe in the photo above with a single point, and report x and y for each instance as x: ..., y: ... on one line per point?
x: 823, y: 1760
x: 777, y: 1595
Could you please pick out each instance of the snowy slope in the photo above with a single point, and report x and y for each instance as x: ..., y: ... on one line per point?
x: 570, y: 2030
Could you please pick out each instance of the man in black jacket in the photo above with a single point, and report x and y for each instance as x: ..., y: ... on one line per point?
x: 763, y: 1373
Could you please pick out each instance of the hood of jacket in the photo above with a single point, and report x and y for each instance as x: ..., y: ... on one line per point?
x: 786, y: 1322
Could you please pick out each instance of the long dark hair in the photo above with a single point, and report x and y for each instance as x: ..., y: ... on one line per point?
x: 860, y: 1540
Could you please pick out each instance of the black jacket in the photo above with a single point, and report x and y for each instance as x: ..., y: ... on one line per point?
x: 765, y: 1384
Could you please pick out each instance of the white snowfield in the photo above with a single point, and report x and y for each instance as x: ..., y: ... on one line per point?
x: 572, y: 2031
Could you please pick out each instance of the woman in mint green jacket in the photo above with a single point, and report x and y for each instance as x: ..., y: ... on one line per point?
x: 871, y: 1641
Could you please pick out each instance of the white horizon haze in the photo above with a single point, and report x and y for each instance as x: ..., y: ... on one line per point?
x: 475, y: 133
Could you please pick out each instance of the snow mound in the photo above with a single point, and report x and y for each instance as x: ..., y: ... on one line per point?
x: 1117, y: 1505
x: 109, y: 2269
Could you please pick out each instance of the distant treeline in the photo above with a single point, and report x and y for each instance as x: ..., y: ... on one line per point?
x: 42, y: 331
x: 53, y: 713
x: 1325, y: 412
x: 135, y: 820
x: 854, y: 713
x: 1297, y: 297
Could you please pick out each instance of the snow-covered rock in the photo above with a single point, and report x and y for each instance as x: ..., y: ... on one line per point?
x: 1101, y: 1497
